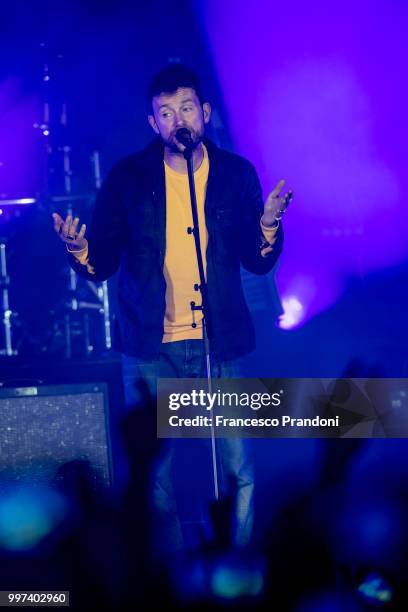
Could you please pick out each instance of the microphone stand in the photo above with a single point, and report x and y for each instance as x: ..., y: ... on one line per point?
x: 202, y: 287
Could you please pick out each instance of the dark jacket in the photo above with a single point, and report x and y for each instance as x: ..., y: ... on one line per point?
x: 128, y: 231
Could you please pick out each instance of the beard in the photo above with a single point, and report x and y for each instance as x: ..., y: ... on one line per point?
x: 174, y: 145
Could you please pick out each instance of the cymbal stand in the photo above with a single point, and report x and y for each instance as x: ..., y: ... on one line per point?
x: 56, y: 108
x: 103, y: 293
x: 5, y: 306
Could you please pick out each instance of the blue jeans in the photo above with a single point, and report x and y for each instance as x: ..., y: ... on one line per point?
x: 185, y: 359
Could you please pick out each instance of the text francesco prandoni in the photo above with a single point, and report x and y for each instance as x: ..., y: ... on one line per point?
x: 217, y: 401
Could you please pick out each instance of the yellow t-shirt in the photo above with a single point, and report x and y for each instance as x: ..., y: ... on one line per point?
x: 180, y: 262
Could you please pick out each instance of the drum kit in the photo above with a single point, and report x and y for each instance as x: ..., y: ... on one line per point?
x: 45, y: 309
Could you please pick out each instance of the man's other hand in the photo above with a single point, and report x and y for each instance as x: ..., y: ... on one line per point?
x: 67, y: 232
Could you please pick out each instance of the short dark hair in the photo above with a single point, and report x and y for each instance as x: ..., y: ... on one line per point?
x: 170, y: 78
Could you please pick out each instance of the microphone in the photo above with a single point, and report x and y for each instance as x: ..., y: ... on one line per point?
x: 184, y: 137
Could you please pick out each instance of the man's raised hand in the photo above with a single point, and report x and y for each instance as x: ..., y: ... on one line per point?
x: 275, y: 205
x: 67, y: 232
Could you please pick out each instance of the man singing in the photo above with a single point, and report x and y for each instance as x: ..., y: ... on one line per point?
x: 139, y: 227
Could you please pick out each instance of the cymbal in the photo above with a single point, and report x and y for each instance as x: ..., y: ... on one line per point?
x: 17, y: 201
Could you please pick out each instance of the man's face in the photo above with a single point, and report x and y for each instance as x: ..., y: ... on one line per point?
x: 181, y: 109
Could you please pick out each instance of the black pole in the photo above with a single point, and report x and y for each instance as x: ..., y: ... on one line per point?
x: 205, y: 307
x: 195, y: 230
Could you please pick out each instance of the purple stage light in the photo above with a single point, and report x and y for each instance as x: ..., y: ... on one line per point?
x: 292, y: 313
x: 314, y: 94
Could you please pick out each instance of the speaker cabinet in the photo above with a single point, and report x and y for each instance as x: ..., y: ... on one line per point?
x: 43, y: 428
